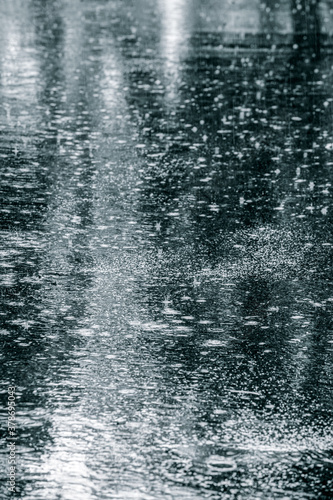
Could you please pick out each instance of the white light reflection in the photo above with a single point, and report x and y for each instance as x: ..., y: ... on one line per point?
x: 174, y: 43
x: 19, y: 71
x: 65, y: 467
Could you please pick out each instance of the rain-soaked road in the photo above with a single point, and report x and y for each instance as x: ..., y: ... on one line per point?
x: 166, y: 248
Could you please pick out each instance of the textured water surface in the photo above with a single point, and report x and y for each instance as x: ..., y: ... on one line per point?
x: 166, y: 248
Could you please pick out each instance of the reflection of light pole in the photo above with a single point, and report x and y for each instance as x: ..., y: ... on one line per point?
x: 173, y: 42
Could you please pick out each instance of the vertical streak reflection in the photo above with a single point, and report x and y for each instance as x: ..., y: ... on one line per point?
x: 174, y: 42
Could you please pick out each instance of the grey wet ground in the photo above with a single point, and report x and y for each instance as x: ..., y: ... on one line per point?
x: 166, y: 248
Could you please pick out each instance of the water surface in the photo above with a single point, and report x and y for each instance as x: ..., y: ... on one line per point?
x: 166, y: 248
